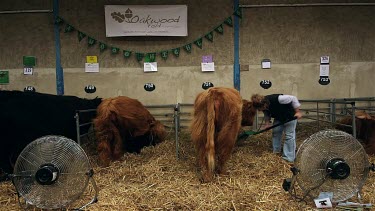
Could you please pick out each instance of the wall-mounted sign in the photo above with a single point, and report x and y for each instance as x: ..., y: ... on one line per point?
x: 4, y: 77
x: 208, y: 67
x: 90, y: 89
x: 91, y: 59
x: 29, y: 61
x: 91, y: 67
x: 150, y: 67
x: 207, y: 85
x: 28, y: 70
x: 324, y: 80
x: 145, y: 20
x: 265, y: 84
x: 29, y: 89
x: 266, y: 64
x: 149, y: 87
x: 324, y: 60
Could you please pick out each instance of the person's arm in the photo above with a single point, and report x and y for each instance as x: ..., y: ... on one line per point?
x: 267, y: 119
x: 286, y: 99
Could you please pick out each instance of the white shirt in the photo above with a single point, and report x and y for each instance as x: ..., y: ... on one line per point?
x: 286, y: 99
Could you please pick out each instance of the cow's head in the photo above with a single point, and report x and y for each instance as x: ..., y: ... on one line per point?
x: 248, y: 113
x: 158, y: 132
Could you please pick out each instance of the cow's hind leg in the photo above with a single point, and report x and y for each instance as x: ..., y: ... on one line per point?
x: 225, y: 142
x: 207, y: 175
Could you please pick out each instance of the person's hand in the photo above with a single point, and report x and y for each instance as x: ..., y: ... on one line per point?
x: 298, y: 115
x: 265, y: 126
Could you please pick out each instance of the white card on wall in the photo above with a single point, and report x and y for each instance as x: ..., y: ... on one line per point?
x: 91, y: 67
x: 324, y: 60
x: 208, y: 67
x: 324, y: 70
x: 27, y: 70
x: 150, y: 67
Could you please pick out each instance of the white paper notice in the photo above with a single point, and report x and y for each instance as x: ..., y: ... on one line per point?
x: 27, y: 70
x: 150, y: 66
x: 91, y: 67
x: 323, y: 203
x: 208, y: 67
x: 324, y: 70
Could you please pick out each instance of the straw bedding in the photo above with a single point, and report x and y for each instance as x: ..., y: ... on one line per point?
x: 156, y: 180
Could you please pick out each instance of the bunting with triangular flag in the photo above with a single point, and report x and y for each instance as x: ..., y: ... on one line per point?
x: 176, y: 52
x: 219, y: 29
x: 188, y: 48
x: 68, y: 28
x: 81, y: 35
x: 127, y: 54
x: 229, y: 21
x: 209, y: 36
x: 59, y: 20
x: 115, y: 50
x: 91, y: 41
x: 150, y: 57
x: 102, y: 46
x: 238, y: 12
x: 198, y: 42
x: 139, y: 56
x: 164, y: 54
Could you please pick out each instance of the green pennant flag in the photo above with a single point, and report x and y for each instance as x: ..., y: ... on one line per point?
x: 188, y: 48
x: 164, y: 55
x: 209, y: 36
x: 198, y: 42
x: 126, y: 53
x: 150, y: 57
x: 68, y: 28
x: 115, y: 50
x: 229, y: 21
x: 139, y: 56
x: 176, y: 52
x: 59, y: 20
x: 220, y: 29
x: 102, y: 46
x: 238, y: 12
x: 81, y: 35
x: 91, y: 41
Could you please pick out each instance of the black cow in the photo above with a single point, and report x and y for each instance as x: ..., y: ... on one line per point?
x: 26, y: 116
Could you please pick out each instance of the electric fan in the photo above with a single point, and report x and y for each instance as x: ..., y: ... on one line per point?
x: 52, y: 172
x: 329, y: 161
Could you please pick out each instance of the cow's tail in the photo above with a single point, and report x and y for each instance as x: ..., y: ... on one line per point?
x: 210, y: 144
x: 109, y: 138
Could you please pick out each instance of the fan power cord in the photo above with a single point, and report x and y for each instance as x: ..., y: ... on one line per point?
x: 307, y: 193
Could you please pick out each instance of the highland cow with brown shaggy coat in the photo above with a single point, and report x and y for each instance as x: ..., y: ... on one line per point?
x: 214, y: 128
x: 123, y: 125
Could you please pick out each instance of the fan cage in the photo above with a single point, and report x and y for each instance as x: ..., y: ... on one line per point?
x: 316, y: 152
x: 72, y: 164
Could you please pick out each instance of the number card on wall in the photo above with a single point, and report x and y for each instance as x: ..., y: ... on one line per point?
x: 265, y: 84
x: 27, y: 70
x: 149, y: 87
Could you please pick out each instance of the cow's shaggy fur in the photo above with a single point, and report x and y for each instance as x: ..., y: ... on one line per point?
x: 123, y: 125
x: 214, y: 128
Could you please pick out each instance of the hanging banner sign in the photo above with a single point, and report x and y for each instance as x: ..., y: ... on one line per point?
x: 145, y: 20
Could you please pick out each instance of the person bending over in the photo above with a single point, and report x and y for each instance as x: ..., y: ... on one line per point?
x: 282, y: 108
